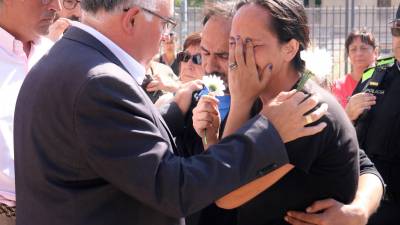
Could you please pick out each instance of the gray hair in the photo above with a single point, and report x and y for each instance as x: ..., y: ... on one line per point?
x: 93, y: 6
x: 225, y: 10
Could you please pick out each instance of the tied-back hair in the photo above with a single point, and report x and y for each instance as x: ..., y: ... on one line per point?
x: 289, y: 21
x: 365, y: 36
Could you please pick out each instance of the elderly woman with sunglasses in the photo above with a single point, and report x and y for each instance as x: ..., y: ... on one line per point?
x: 190, y: 67
x: 167, y: 83
x: 190, y: 59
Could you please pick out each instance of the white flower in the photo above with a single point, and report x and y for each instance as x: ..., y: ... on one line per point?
x: 214, y: 84
x: 318, y: 62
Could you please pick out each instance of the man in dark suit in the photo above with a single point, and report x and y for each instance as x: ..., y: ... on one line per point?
x: 90, y: 147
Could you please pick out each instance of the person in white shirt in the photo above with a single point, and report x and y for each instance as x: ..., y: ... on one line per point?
x: 22, y: 23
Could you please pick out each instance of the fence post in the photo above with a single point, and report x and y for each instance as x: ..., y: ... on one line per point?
x: 184, y: 19
x: 352, y: 14
x: 346, y: 29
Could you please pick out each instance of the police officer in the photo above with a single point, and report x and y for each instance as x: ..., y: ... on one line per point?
x: 378, y: 128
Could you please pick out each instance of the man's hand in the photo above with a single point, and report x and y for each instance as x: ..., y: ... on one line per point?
x: 183, y: 96
x: 57, y: 28
x: 287, y: 114
x: 329, y: 212
x: 206, y: 117
x: 161, y: 83
x: 358, y: 103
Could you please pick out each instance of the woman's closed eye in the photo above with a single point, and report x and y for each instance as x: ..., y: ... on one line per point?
x: 255, y: 45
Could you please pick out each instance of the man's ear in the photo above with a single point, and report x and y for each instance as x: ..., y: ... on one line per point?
x: 129, y: 18
x: 290, y: 49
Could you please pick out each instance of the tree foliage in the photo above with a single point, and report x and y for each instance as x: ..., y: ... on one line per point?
x: 190, y: 2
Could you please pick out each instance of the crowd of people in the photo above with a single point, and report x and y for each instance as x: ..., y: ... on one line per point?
x: 102, y: 122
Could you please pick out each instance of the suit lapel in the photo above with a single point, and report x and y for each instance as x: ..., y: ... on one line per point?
x: 76, y: 34
x: 157, y: 117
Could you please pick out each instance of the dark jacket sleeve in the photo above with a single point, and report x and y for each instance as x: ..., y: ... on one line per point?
x: 174, y: 118
x: 122, y: 144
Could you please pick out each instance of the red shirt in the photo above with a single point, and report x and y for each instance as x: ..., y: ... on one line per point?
x: 343, y: 88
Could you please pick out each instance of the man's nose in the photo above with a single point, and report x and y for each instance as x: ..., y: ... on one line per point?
x: 211, y: 65
x: 55, y: 5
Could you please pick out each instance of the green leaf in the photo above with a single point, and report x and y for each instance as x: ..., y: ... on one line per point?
x: 303, y: 80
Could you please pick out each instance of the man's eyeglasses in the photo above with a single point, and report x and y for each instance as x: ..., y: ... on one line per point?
x: 395, y: 31
x: 70, y: 4
x: 168, y: 23
x: 185, y: 57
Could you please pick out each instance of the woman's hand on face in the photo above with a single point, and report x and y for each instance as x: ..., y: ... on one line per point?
x: 358, y: 103
x: 245, y: 82
x: 206, y: 117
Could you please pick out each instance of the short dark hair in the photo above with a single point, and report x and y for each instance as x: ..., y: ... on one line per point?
x: 365, y: 36
x: 193, y: 39
x: 216, y: 9
x: 289, y: 21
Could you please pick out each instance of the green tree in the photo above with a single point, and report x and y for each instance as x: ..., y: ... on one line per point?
x: 190, y: 2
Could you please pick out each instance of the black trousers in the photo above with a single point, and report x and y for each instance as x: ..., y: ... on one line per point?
x: 388, y: 214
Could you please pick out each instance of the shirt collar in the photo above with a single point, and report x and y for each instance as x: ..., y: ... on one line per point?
x: 9, y: 43
x: 136, y: 70
x: 39, y: 48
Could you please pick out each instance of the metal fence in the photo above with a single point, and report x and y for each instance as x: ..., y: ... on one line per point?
x: 329, y: 28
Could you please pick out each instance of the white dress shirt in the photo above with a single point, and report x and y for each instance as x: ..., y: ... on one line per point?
x: 14, y: 65
x: 135, y: 69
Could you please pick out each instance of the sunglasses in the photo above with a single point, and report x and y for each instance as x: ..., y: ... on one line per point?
x: 395, y: 31
x: 185, y: 57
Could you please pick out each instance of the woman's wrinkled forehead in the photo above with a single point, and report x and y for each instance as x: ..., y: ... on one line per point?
x: 251, y: 21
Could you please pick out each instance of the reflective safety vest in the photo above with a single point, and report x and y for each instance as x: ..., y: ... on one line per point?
x: 371, y: 80
x: 381, y: 64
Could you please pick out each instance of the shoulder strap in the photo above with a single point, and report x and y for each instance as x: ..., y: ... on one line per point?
x: 380, y: 64
x: 388, y: 61
x: 375, y: 80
